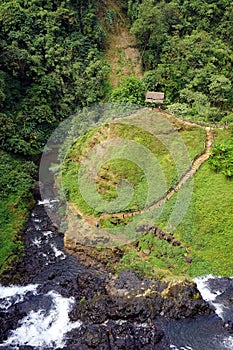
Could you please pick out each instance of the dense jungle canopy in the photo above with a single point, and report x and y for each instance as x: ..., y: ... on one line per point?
x: 52, y: 60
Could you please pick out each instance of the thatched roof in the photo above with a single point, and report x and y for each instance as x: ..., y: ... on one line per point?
x: 157, y: 97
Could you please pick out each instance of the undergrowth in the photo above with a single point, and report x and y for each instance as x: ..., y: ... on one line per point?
x: 205, y: 232
x: 16, y: 183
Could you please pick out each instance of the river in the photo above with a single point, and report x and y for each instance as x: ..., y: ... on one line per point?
x: 36, y: 315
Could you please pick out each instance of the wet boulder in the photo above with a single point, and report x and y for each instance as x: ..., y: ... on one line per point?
x: 182, y: 299
x: 88, y: 337
x: 118, y: 335
x: 8, y: 322
x: 226, y: 297
x: 34, y: 303
x: 103, y: 308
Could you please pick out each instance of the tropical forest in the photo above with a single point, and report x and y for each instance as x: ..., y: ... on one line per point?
x: 164, y: 203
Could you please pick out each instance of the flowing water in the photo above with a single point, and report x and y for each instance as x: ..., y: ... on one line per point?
x: 40, y: 328
x: 43, y: 304
x: 207, y: 332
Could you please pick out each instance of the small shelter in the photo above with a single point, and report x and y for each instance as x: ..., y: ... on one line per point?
x: 155, y: 97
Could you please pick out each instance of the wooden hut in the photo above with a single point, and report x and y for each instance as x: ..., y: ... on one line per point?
x: 155, y: 97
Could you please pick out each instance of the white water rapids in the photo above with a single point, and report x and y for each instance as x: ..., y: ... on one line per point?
x: 39, y: 328
x: 46, y: 324
x: 48, y: 328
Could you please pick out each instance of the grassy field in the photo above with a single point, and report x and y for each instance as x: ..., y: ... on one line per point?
x: 205, y: 232
x: 116, y: 170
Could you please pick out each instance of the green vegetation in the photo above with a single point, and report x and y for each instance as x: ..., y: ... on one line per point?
x: 205, y: 232
x: 17, y: 177
x: 52, y: 61
x: 50, y: 64
x: 115, y: 171
x: 222, y: 155
x: 131, y: 90
x: 186, y: 51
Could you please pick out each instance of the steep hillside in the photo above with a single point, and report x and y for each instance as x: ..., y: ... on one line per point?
x: 123, y: 56
x: 121, y: 52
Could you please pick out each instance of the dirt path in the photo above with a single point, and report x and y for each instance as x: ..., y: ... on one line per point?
x: 196, y: 163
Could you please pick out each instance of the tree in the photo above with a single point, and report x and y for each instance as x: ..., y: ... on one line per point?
x: 154, y: 25
x: 220, y: 90
x: 50, y: 61
x: 221, y: 159
x: 131, y: 90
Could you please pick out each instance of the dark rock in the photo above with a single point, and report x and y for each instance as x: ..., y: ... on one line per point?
x: 51, y: 276
x: 226, y: 300
x: 127, y: 336
x: 182, y: 299
x: 176, y: 243
x: 188, y: 259
x: 118, y: 312
x: 8, y: 322
x: 144, y: 228
x: 33, y: 303
x: 104, y: 308
x: 229, y: 326
x: 121, y: 335
x: 88, y: 337
x: 220, y: 284
x: 37, y: 190
x: 127, y: 283
x: 93, y: 338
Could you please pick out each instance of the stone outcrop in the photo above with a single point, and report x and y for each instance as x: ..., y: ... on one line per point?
x: 117, y: 312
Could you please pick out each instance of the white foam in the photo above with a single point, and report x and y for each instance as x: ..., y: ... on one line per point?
x: 16, y: 292
x: 37, y: 227
x: 47, y: 233
x: 36, y: 242
x: 173, y: 347
x: 48, y: 202
x: 57, y: 252
x: 202, y: 285
x: 37, y: 220
x: 228, y: 342
x: 40, y: 330
x: 47, y: 261
x: 207, y: 295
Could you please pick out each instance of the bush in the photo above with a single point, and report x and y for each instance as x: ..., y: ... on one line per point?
x: 221, y: 159
x: 131, y: 90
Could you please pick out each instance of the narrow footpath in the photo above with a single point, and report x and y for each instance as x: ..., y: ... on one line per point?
x: 196, y: 163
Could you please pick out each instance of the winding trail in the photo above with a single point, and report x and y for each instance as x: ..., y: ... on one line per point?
x: 196, y: 163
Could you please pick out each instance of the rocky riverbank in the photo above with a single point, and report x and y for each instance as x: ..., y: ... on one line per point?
x: 114, y: 311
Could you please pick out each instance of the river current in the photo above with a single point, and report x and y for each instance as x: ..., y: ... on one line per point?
x: 44, y: 308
